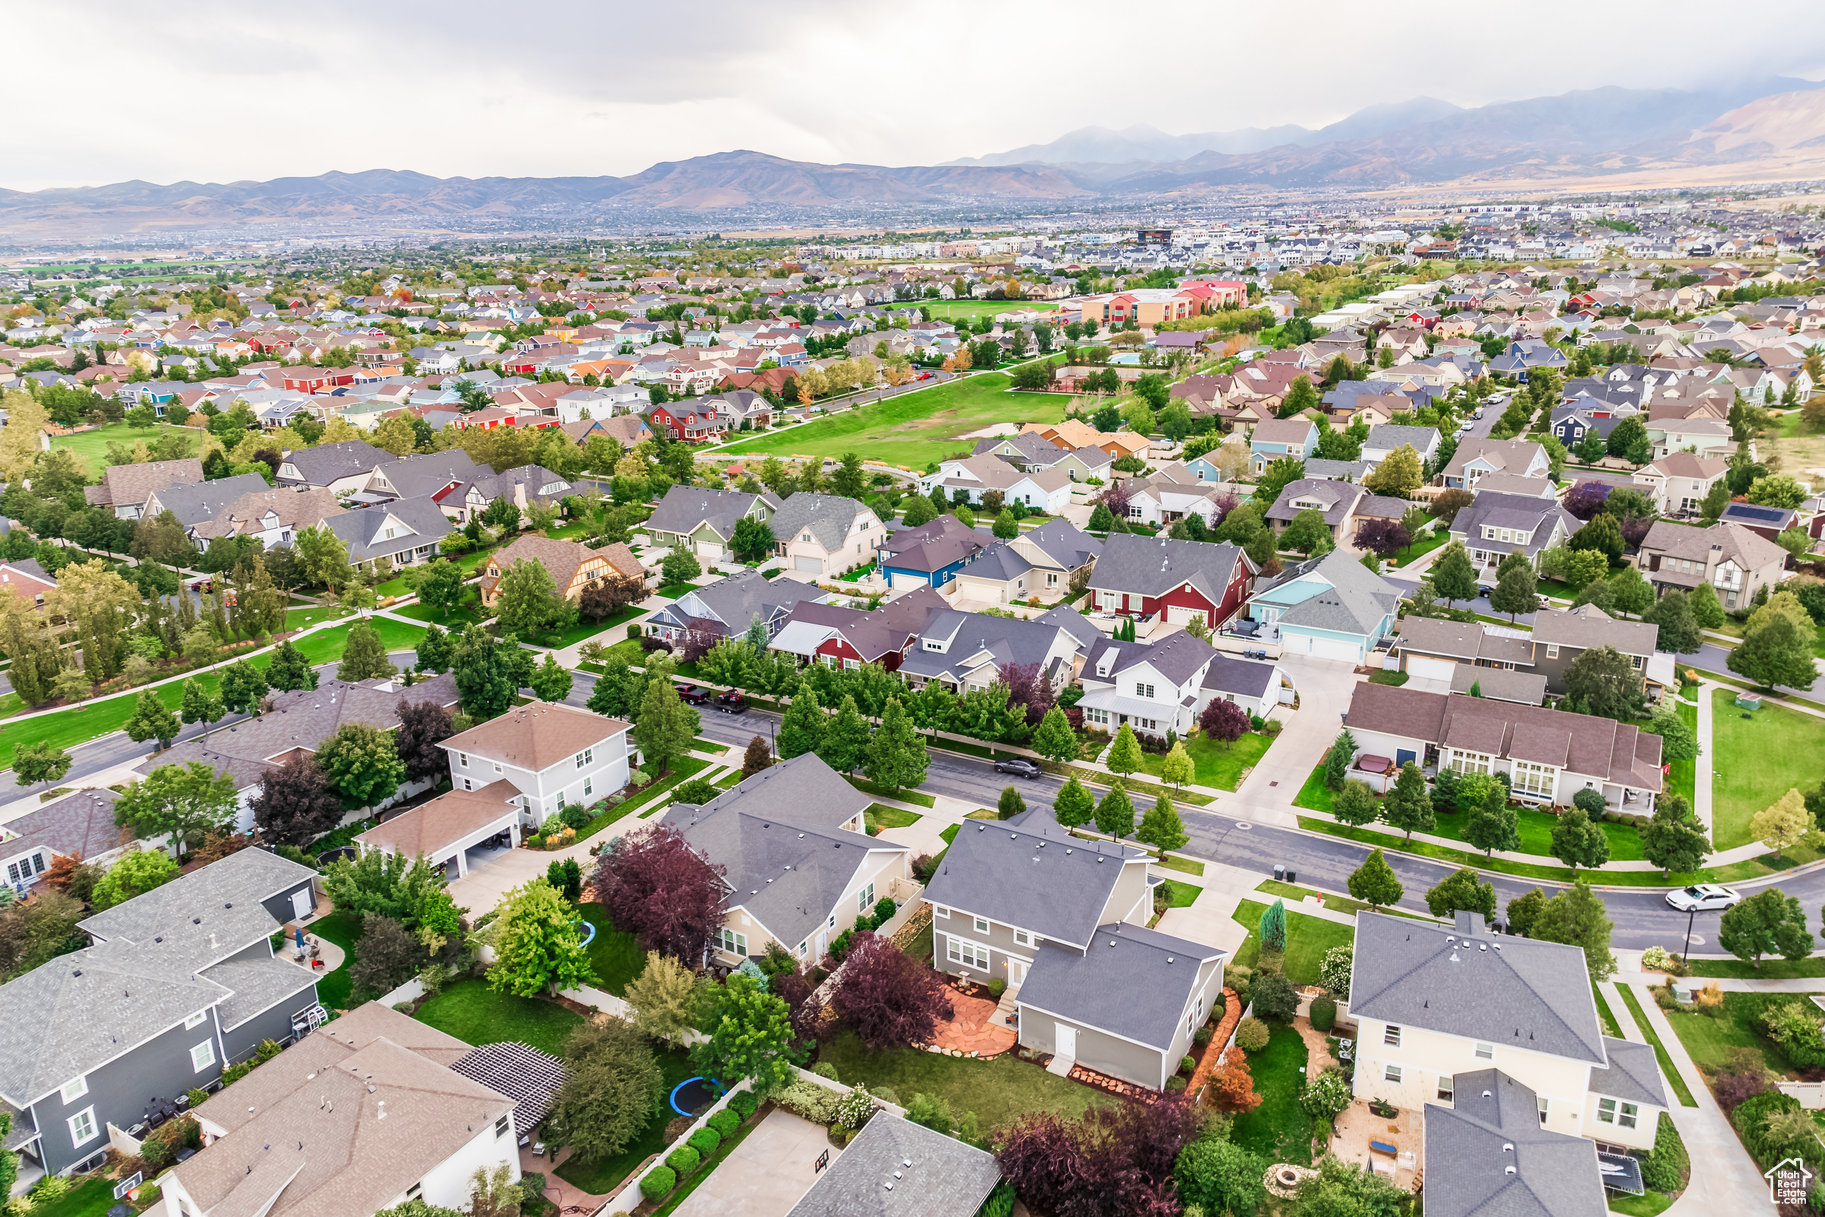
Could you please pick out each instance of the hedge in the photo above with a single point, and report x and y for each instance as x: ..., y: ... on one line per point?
x: 744, y: 1104
x: 658, y: 1183
x: 683, y: 1160
x: 705, y: 1141
x: 725, y: 1122
x: 1667, y: 1165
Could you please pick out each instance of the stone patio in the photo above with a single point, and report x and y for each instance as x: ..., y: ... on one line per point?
x: 971, y: 1030
x: 1357, y: 1126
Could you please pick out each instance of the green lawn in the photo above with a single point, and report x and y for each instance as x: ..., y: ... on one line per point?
x: 1332, y: 901
x: 1314, y: 795
x: 1191, y: 866
x: 476, y: 1014
x: 882, y: 792
x: 1611, y: 1027
x: 913, y: 429
x: 1215, y: 764
x: 1422, y: 545
x: 1278, y: 1130
x: 999, y: 1090
x: 298, y: 618
x: 469, y: 612
x: 343, y: 929
x: 1755, y: 761
x: 1710, y: 1040
x: 603, y: 1176
x: 92, y: 446
x: 614, y: 954
x: 1182, y: 893
x: 1648, y: 1204
x: 1682, y: 776
x: 953, y: 310
x: 682, y: 770
x: 880, y: 815
x: 91, y: 1198
x: 1307, y: 940
x: 585, y: 629
x: 1660, y: 1051
x: 1773, y: 968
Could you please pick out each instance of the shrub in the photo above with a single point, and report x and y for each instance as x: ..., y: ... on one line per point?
x: 744, y: 1104
x: 535, y: 841
x: 1334, y: 971
x: 1324, y: 1012
x: 924, y: 867
x: 884, y: 909
x: 1187, y: 1064
x: 1708, y: 1000
x: 853, y: 1109
x: 683, y: 1160
x: 809, y: 1100
x: 575, y: 816
x: 931, y: 1111
x: 1666, y: 1166
x: 824, y: 1069
x: 1251, y: 1035
x: 705, y: 1141
x: 1657, y: 959
x: 51, y: 1187
x: 725, y: 1122
x: 997, y: 987
x: 658, y: 1183
x: 1274, y: 998
x: 1176, y: 1083
x: 1734, y: 1088
x: 1201, y: 1035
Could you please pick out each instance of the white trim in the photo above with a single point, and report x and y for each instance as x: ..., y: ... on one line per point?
x: 207, y: 1048
x: 77, y: 1140
x: 73, y: 1090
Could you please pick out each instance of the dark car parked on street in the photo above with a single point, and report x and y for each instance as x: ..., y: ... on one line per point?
x: 1018, y: 766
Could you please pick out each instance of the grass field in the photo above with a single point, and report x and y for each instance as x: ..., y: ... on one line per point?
x: 614, y: 954
x: 92, y: 446
x: 1278, y: 1130
x: 476, y: 1014
x: 1799, y: 446
x: 913, y: 429
x: 953, y: 310
x: 1307, y: 940
x: 1711, y: 1039
x: 1214, y: 764
x: 343, y: 929
x: 1755, y: 761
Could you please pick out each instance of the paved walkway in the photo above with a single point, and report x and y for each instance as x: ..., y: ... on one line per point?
x: 767, y: 1174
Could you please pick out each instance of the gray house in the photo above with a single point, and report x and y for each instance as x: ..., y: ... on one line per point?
x: 1496, y: 524
x: 728, y: 606
x: 406, y: 532
x: 1062, y: 922
x: 175, y: 985
x: 703, y: 521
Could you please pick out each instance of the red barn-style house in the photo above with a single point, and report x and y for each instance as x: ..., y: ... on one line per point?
x: 1151, y: 576
x: 690, y: 422
x: 316, y: 380
x: 848, y: 638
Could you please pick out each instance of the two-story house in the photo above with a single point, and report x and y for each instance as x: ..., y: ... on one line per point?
x: 1039, y: 563
x: 1275, y: 438
x: 703, y: 521
x: 842, y: 637
x: 406, y: 532
x: 1156, y: 687
x: 573, y: 565
x: 1062, y: 922
x: 1733, y: 560
x: 964, y: 651
x: 1046, y: 489
x: 343, y: 467
x: 1497, y: 524
x: 1331, y: 607
x: 175, y: 985
x: 1180, y: 581
x: 730, y: 605
x: 798, y: 862
x: 1335, y: 501
x: 1385, y: 440
x: 124, y: 489
x: 1678, y: 482
x: 1476, y: 458
x: 929, y: 555
x: 1461, y: 653
x: 1496, y: 1038
x: 820, y: 536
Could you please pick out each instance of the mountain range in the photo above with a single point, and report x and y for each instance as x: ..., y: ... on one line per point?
x: 1762, y: 130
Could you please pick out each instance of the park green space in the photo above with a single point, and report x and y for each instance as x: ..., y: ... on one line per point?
x: 91, y: 447
x: 954, y: 310
x: 913, y: 429
x: 1756, y: 760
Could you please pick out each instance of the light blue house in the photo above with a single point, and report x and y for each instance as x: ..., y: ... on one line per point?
x: 1330, y: 608
x: 1278, y: 437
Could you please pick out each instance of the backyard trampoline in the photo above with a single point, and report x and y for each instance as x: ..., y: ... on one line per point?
x: 694, y: 1096
x: 586, y: 932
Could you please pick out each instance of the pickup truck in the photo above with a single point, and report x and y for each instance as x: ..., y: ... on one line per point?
x: 692, y: 694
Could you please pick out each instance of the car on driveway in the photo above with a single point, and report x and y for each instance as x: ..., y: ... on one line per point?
x: 693, y: 694
x: 1704, y: 898
x: 731, y: 702
x: 1018, y: 766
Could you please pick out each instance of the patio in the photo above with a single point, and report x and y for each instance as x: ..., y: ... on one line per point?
x: 972, y: 1029
x: 1358, y: 1126
x: 767, y: 1174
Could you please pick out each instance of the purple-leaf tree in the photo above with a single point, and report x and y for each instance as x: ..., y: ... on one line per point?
x: 1223, y: 721
x: 1383, y: 538
x: 1026, y: 687
x: 1586, y: 499
x: 663, y: 892
x: 888, y: 998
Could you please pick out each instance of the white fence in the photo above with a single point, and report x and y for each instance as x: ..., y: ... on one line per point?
x: 1810, y: 1094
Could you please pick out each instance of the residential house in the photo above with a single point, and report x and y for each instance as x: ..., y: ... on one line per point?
x: 820, y: 536
x: 1276, y: 438
x: 1734, y: 561
x: 405, y: 532
x: 1047, y: 489
x: 125, y: 488
x: 929, y: 555
x: 1062, y: 923
x: 573, y: 565
x: 342, y: 467
x: 1764, y: 521
x: 202, y: 503
x: 78, y: 826
x: 1705, y: 436
x: 964, y: 651
x: 1335, y: 501
x: 1549, y: 755
x: 1477, y: 457
x: 1074, y: 433
x: 1492, y: 1149
x: 727, y: 607
x: 364, y: 1115
x: 27, y: 580
x: 272, y: 515
x: 1174, y: 491
x: 1495, y: 525
x: 1331, y: 607
x: 172, y: 987
x: 1037, y: 563
x: 839, y: 636
x: 798, y: 862
x: 1389, y: 438
x: 703, y: 521
x: 1157, y: 687
x: 1027, y: 450
x: 1678, y: 482
x: 1141, y: 576
x: 1434, y: 648
x: 895, y: 1168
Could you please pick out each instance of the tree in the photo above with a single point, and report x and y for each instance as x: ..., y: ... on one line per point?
x: 1275, y: 478
x: 184, y: 802
x: 1673, y: 839
x: 749, y: 1036
x: 1176, y: 768
x: 757, y: 757
x: 150, y: 720
x: 1774, y: 652
x: 1461, y: 889
x: 612, y: 1086
x: 493, y: 1194
x: 664, y: 893
x: 1524, y: 912
x: 1629, y: 440
x: 897, y: 759
x: 752, y: 540
x: 1782, y: 822
x: 1161, y: 827
x: 323, y: 557
x: 1220, y: 1176
x: 133, y: 874
x: 551, y: 680
x: 1125, y: 752
x: 888, y: 998
x: 198, y: 704
x: 1776, y: 490
x: 1605, y: 682
x: 1576, y: 841
x: 441, y: 587
x: 1577, y: 918
x: 664, y: 727
x: 1223, y: 720
x: 609, y: 595
x: 1340, y: 1189
x: 667, y: 997
x: 1073, y: 805
x: 1447, y: 504
x: 1232, y: 1086
x: 289, y: 669
x: 1602, y: 535
x: 527, y: 602
x: 538, y: 949
x: 1517, y: 588
x: 387, y: 956
x: 1705, y: 607
x: 1383, y: 538
x: 364, y: 657
x: 1769, y: 922
x: 486, y: 676
x: 1398, y: 474
x: 243, y: 686
x: 1679, y: 632
x: 1010, y: 804
x: 295, y: 805
x: 1452, y: 575
x: 801, y: 729
x: 1492, y: 823
x: 1115, y: 813
x: 362, y: 764
x: 919, y: 511
x: 1408, y: 805
x: 1308, y: 533
x: 1356, y: 803
x: 1271, y: 927
x: 422, y: 727
x: 41, y: 761
x: 1054, y: 739
x: 846, y: 738
x: 679, y: 566
x: 1300, y: 397
x: 1338, y: 759
x: 1374, y: 882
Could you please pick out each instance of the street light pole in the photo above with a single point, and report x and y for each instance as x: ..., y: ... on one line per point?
x: 1691, y: 915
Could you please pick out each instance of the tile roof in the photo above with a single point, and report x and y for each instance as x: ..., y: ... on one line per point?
x: 536, y: 736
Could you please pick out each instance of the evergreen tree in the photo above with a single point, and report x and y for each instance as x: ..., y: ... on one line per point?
x: 1374, y: 882
x: 150, y: 720
x: 1338, y: 759
x: 1271, y: 928
x: 364, y: 656
x: 1408, y: 806
x: 1115, y: 813
x: 1010, y: 804
x: 1517, y: 589
x: 897, y: 758
x: 289, y: 669
x: 846, y: 738
x: 1161, y: 827
x: 199, y: 704
x: 801, y: 729
x: 1073, y: 804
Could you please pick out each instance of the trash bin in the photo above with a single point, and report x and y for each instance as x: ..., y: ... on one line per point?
x: 1279, y: 873
x: 1292, y: 876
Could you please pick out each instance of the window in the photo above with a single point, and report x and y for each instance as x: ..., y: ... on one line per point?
x: 1530, y: 778
x: 1390, y: 1035
x: 1541, y: 1101
x: 501, y: 1126
x: 83, y: 1128
x: 497, y: 766
x: 202, y: 1056
x: 194, y: 1021
x: 588, y: 787
x: 1552, y: 650
x: 733, y: 943
x: 1023, y: 938
x: 1447, y: 1090
x: 1470, y: 762
x: 1606, y: 1111
x: 1485, y: 1052
x: 982, y: 925
x: 1630, y: 1114
x: 1391, y: 1073
x: 462, y: 758
x: 864, y: 898
x: 1144, y: 691
x: 74, y: 1090
x: 967, y: 953
x: 939, y: 910
x: 585, y: 757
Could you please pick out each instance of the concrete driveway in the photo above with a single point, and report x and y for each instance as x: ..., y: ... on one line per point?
x: 1324, y: 688
x: 766, y: 1174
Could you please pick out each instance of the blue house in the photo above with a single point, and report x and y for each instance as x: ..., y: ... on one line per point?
x: 1525, y: 354
x: 929, y: 555
x: 1281, y: 437
x: 1331, y: 607
x: 1204, y: 469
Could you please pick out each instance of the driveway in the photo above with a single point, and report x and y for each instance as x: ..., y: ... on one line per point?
x: 767, y: 1174
x: 1324, y: 688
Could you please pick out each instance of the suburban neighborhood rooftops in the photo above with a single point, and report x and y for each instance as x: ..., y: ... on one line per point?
x: 80, y: 823
x: 1129, y: 981
x: 827, y: 517
x: 895, y: 1168
x: 685, y: 508
x: 1041, y: 878
x: 1152, y: 566
x: 536, y: 736
x: 1588, y: 626
x: 1487, y: 1154
x: 129, y: 485
x: 432, y: 827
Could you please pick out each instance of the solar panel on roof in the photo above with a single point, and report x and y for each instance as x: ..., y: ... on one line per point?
x: 1752, y: 511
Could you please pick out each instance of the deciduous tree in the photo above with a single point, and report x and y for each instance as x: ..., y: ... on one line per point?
x: 422, y: 726
x: 1768, y: 923
x: 612, y: 1086
x: 1461, y: 889
x: 150, y: 720
x: 134, y: 874
x: 1073, y: 805
x: 1576, y: 841
x: 1161, y: 827
x: 182, y: 802
x: 664, y: 893
x: 1408, y: 804
x: 1115, y: 812
x: 1576, y: 917
x: 290, y: 670
x: 889, y: 999
x: 538, y: 947
x: 364, y: 656
x: 1605, y: 682
x: 362, y: 764
x: 295, y: 805
x: 1375, y: 883
x: 897, y: 758
x: 749, y: 1036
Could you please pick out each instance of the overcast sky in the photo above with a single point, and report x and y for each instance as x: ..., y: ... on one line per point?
x: 207, y: 91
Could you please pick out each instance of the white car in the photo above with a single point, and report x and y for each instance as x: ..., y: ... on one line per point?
x: 1466, y: 428
x: 1704, y: 898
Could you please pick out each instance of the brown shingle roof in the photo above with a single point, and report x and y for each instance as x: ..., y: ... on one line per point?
x: 431, y: 828
x: 132, y: 484
x: 536, y: 736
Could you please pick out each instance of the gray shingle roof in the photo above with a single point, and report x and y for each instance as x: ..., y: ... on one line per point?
x: 1356, y: 603
x: 1494, y: 1125
x: 737, y: 600
x: 932, y: 1175
x: 1494, y: 509
x: 1038, y: 878
x: 1633, y: 1074
x: 426, y: 473
x: 1064, y: 542
x: 360, y: 530
x: 1176, y: 657
x: 827, y: 517
x: 326, y: 463
x: 684, y: 508
x: 197, y: 502
x: 1131, y: 981
x: 1243, y: 677
x: 257, y: 985
x: 80, y: 823
x: 1459, y: 980
x: 1152, y: 566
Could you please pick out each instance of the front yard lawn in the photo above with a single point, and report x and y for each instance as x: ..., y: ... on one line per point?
x: 999, y: 1090
x: 586, y: 629
x: 880, y: 815
x: 1314, y: 795
x: 476, y: 1014
x: 1423, y: 544
x: 1773, y: 968
x: 1710, y: 1039
x: 1307, y: 940
x: 1278, y: 1130
x: 1182, y: 893
x: 1756, y: 760
x: 1682, y: 775
x: 614, y: 954
x: 605, y: 1175
x: 1215, y: 764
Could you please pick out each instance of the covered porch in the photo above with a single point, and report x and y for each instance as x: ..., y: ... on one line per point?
x: 457, y: 830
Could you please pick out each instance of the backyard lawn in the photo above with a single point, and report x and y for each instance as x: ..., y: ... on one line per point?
x: 1216, y: 764
x: 343, y: 929
x: 1307, y: 940
x: 604, y: 1175
x: 91, y: 1198
x: 92, y: 446
x: 913, y: 429
x: 1756, y: 760
x: 1278, y: 1130
x: 476, y: 1014
x: 614, y: 954
x: 999, y: 1090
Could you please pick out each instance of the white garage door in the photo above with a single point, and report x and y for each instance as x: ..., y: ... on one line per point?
x: 811, y: 566
x: 904, y: 582
x: 709, y: 549
x: 1176, y: 615
x: 1428, y: 668
x: 1324, y: 648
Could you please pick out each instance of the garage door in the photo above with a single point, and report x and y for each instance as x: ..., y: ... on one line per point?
x: 1427, y: 667
x: 1176, y: 615
x: 811, y: 566
x: 904, y: 582
x: 709, y: 549
x: 1325, y: 648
